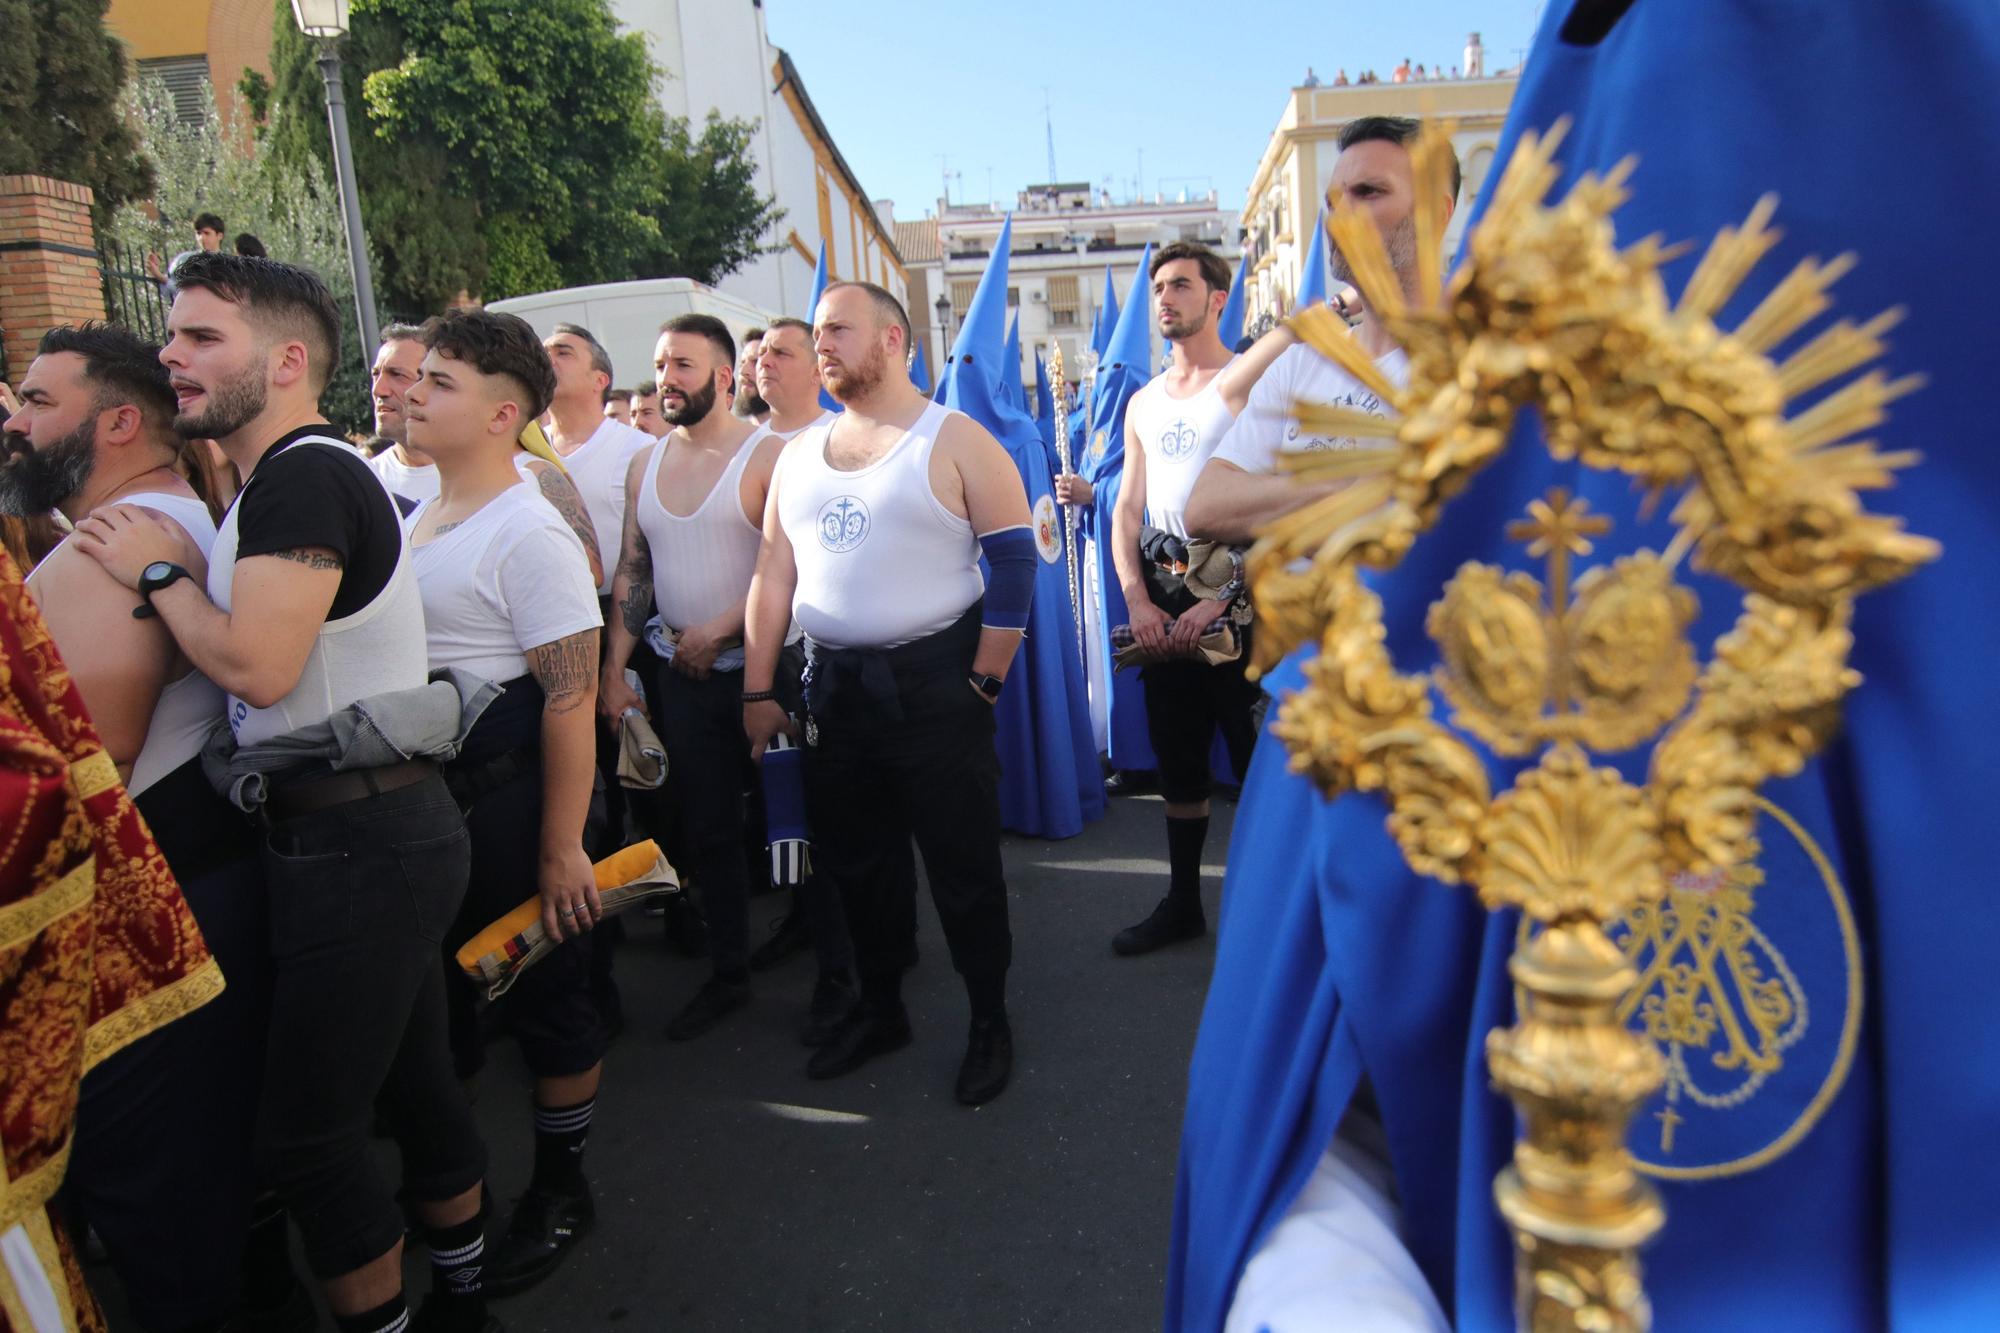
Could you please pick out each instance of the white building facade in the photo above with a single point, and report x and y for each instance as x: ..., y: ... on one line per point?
x: 715, y: 55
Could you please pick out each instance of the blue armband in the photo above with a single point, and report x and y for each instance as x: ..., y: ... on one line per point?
x: 1011, y: 555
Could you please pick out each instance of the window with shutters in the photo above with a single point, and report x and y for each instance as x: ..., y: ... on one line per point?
x: 183, y: 77
x: 1065, y: 301
x: 961, y: 296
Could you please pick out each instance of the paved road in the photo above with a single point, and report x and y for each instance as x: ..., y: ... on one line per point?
x: 734, y: 1193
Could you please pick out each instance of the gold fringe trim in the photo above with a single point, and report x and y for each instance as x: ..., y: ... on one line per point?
x: 22, y: 921
x: 115, y: 1032
x: 93, y: 774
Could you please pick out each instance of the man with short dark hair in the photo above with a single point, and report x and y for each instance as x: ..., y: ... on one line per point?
x: 508, y: 598
x: 594, y: 448
x: 407, y: 473
x: 744, y: 400
x: 1242, y: 488
x: 788, y: 379
x: 207, y: 241
x: 873, y: 536
x: 311, y: 605
x: 646, y: 411
x: 618, y: 406
x: 161, y: 1168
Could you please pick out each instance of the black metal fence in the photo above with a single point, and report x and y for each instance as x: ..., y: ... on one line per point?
x: 131, y: 296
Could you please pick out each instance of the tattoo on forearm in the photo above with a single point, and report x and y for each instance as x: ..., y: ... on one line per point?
x: 566, y: 670
x: 310, y: 557
x: 558, y: 491
x: 635, y: 608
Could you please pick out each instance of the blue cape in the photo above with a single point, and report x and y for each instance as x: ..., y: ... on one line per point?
x: 1854, y: 1187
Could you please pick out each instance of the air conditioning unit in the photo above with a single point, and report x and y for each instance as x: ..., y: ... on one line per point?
x: 1037, y: 297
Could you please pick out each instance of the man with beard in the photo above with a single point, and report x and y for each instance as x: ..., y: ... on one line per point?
x: 1241, y: 488
x: 1172, y: 427
x: 646, y: 411
x: 161, y: 1167
x: 873, y: 535
x: 311, y: 604
x: 508, y: 598
x: 744, y: 400
x: 693, y: 515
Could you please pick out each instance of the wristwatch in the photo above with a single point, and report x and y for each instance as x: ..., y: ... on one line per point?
x: 152, y: 578
x: 986, y: 685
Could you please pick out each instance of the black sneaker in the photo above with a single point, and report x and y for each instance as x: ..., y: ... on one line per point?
x: 438, y: 1315
x: 833, y: 999
x: 1170, y: 923
x: 546, y: 1223
x: 865, y: 1033
x: 716, y: 1000
x: 788, y: 937
x: 989, y: 1061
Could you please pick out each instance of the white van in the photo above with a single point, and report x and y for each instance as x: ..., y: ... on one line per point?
x: 626, y: 316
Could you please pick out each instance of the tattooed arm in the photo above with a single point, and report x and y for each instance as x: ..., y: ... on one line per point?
x: 631, y: 600
x: 567, y: 672
x: 560, y: 491
x: 257, y: 649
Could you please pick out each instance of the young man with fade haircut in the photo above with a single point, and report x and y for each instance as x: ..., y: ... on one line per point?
x: 693, y: 522
x: 508, y: 598
x: 311, y: 604
x: 744, y: 399
x: 1172, y: 426
x: 1242, y: 488
x: 646, y: 411
x: 411, y: 477
x: 161, y: 1166
x: 873, y: 535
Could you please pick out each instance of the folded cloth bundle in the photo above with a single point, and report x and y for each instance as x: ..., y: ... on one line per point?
x: 496, y: 955
x: 642, y: 760
x: 1222, y: 643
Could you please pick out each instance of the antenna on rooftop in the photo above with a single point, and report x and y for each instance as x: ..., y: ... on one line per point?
x: 1048, y: 118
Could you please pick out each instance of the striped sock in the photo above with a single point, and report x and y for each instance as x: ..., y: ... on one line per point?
x: 560, y: 1132
x: 391, y: 1316
x: 458, y: 1258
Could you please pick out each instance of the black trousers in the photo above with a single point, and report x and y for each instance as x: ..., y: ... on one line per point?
x: 875, y: 780
x: 160, y: 1164
x: 552, y: 1008
x: 361, y: 895
x: 1187, y: 702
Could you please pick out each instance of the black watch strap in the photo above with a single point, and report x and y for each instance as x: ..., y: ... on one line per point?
x: 986, y: 685
x: 160, y: 574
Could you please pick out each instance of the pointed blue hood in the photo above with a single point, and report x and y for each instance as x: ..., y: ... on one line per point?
x: 920, y: 368
x: 826, y: 400
x: 1312, y: 274
x: 1107, y: 316
x: 1230, y: 327
x: 973, y: 374
x: 1010, y: 367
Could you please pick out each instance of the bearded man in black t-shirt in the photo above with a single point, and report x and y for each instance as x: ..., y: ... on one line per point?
x: 311, y: 605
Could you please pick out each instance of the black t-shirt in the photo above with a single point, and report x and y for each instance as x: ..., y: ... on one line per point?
x: 315, y: 496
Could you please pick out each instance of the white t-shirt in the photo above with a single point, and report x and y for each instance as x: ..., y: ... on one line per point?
x: 597, y: 468
x: 412, y: 485
x: 510, y: 578
x: 1266, y: 427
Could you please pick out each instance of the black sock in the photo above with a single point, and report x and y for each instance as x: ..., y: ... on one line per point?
x: 560, y: 1132
x: 458, y: 1259
x: 392, y: 1316
x: 988, y: 994
x: 1185, y: 839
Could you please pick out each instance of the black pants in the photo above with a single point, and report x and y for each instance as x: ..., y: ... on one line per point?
x: 551, y: 1009
x: 1187, y: 702
x: 707, y: 815
x: 875, y: 780
x: 161, y: 1165
x: 360, y: 896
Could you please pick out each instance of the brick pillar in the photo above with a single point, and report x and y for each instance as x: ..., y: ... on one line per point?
x: 49, y: 273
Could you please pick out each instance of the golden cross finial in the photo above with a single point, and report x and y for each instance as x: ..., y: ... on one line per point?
x: 1559, y: 527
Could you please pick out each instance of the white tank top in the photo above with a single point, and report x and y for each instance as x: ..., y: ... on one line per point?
x: 189, y: 707
x: 701, y: 562
x: 1179, y: 436
x: 881, y: 562
x: 377, y: 649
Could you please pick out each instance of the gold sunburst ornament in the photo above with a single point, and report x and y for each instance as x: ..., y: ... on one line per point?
x: 1547, y: 311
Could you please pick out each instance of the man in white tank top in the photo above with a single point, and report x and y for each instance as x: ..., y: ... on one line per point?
x: 1171, y: 427
x: 787, y: 378
x: 311, y: 605
x: 161, y: 1167
x: 508, y: 597
x: 872, y: 539
x: 693, y: 513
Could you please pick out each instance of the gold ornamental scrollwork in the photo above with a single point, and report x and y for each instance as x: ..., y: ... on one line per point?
x: 1548, y: 311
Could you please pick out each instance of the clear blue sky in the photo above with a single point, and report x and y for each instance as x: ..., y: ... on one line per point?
x: 1194, y: 88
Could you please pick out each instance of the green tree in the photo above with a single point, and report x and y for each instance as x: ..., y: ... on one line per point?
x: 295, y: 211
x: 61, y: 76
x: 505, y: 148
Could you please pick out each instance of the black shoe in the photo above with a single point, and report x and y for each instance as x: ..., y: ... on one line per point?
x: 436, y: 1315
x: 788, y: 937
x: 989, y: 1061
x: 865, y: 1033
x: 716, y: 1000
x: 833, y: 999
x: 1170, y: 923
x: 546, y: 1223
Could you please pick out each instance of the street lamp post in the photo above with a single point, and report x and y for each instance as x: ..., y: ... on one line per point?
x: 944, y: 324
x: 325, y: 21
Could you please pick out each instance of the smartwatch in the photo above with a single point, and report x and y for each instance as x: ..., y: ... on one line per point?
x: 986, y: 685
x: 159, y: 574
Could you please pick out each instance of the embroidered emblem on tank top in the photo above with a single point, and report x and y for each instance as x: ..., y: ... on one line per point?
x: 842, y: 523
x: 1178, y: 441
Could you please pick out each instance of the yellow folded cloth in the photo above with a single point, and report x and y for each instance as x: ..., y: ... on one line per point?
x: 538, y: 444
x: 499, y: 953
